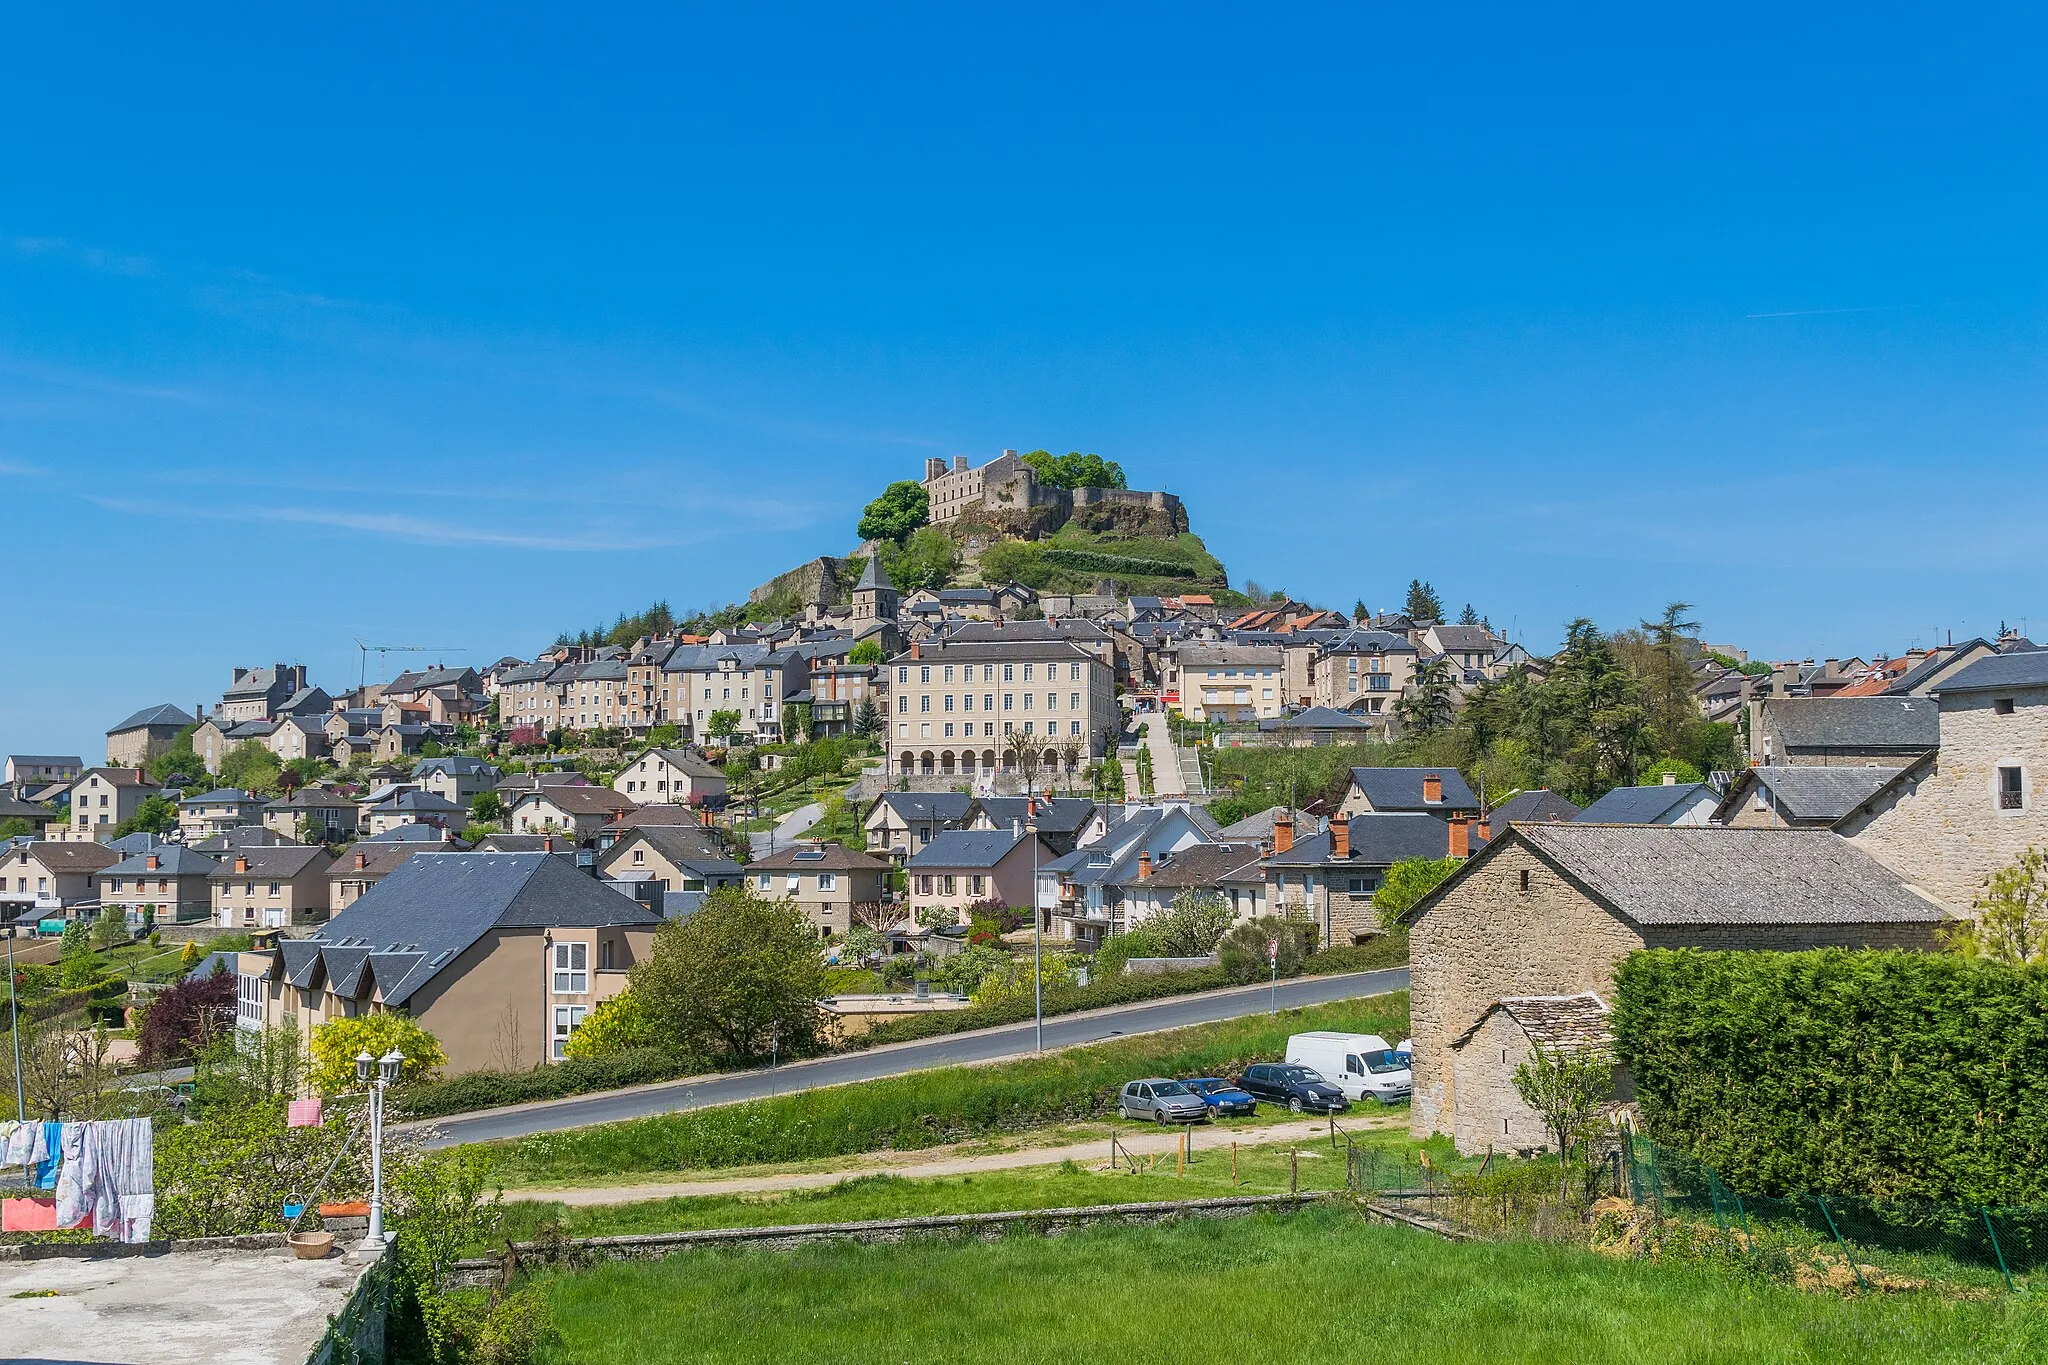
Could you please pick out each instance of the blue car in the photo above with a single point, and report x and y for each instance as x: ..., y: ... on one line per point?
x: 1222, y: 1097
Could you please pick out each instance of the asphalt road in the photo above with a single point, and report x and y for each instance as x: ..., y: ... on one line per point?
x: 984, y: 1045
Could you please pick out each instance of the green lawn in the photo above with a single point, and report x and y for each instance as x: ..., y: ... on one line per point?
x: 926, y: 1108
x: 1314, y: 1286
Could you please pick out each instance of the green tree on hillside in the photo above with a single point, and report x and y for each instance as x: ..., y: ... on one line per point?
x: 252, y: 767
x: 156, y: 815
x: 1075, y: 470
x: 1423, y: 604
x: 723, y: 724
x: 2011, y: 925
x: 867, y: 719
x: 739, y: 978
x: 903, y: 507
x: 928, y: 559
x: 866, y: 652
x: 179, y: 759
x: 1427, y: 706
x: 1407, y: 882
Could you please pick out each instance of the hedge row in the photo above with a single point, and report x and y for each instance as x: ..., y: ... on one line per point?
x: 574, y: 1076
x: 1094, y: 561
x: 1883, y: 1074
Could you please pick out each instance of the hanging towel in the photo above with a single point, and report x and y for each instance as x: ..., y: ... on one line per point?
x: 46, y: 1163
x: 124, y: 1188
x: 78, y: 1176
x: 304, y: 1113
x: 20, y: 1143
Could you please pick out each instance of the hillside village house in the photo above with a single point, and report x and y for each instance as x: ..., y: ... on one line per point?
x: 1548, y: 911
x: 1952, y: 818
x: 1890, y: 731
x: 413, y: 808
x: 672, y: 776
x: 898, y: 824
x: 457, y: 777
x: 33, y: 770
x: 260, y: 693
x: 500, y: 956
x: 1229, y: 684
x: 680, y: 857
x: 953, y: 707
x: 1357, y: 670
x: 578, y: 812
x: 48, y: 881
x: 1329, y: 879
x: 1233, y: 871
x: 1081, y: 894
x: 750, y: 680
x: 1058, y: 820
x: 1669, y: 802
x: 362, y: 865
x: 271, y: 888
x: 167, y: 884
x: 103, y: 798
x: 1782, y: 797
x: 327, y: 815
x: 144, y: 735
x: 218, y: 811
x: 833, y: 885
x: 961, y: 867
x: 1393, y: 791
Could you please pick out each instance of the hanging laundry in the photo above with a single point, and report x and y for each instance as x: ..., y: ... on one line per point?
x: 77, y: 1175
x: 36, y: 1214
x: 304, y: 1113
x: 21, y: 1144
x: 44, y: 1176
x: 124, y: 1185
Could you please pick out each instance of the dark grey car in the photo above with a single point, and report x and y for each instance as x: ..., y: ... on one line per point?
x: 1162, y: 1101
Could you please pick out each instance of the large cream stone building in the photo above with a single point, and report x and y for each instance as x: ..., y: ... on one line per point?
x: 953, y: 707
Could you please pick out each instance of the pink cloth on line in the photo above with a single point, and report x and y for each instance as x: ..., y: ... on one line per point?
x: 36, y: 1213
x: 304, y: 1113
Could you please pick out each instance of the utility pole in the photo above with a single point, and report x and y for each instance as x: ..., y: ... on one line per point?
x: 14, y: 1024
x: 1037, y: 957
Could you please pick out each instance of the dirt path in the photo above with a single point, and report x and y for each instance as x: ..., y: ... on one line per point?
x: 1095, y: 1151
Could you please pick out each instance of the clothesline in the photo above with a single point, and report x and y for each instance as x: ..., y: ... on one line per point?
x: 103, y: 1174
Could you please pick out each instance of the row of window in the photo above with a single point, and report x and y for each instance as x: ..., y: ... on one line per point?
x: 988, y: 672
x: 988, y: 729
x: 938, y: 884
x: 793, y: 882
x: 988, y: 701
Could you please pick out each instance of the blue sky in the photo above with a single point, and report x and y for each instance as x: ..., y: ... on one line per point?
x: 460, y: 329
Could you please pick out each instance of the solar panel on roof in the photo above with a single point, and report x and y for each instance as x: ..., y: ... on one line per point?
x: 815, y: 856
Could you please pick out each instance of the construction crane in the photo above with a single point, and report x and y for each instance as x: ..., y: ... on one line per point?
x: 384, y: 651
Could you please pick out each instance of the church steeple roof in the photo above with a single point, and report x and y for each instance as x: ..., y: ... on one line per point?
x: 874, y: 577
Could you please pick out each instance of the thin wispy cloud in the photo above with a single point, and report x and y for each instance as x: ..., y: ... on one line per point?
x: 9, y: 469
x: 67, y: 252
x: 417, y: 530
x: 90, y: 381
x: 1830, y: 312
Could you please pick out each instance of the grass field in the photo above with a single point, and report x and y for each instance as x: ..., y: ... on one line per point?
x: 1259, y: 1170
x: 1314, y: 1286
x: 924, y: 1109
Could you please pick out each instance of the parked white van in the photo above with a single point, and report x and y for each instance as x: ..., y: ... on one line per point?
x: 1362, y: 1065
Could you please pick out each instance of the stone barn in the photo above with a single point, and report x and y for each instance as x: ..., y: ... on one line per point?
x: 1551, y: 910
x: 1484, y: 1059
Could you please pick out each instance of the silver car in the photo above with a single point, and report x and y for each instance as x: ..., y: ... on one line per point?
x: 1162, y: 1101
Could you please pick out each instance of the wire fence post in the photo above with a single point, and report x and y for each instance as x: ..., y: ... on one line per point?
x: 1854, y: 1269
x: 1996, y: 1250
x: 1293, y: 1171
x: 1233, y: 1165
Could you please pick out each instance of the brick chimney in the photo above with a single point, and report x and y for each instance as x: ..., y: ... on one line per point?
x: 1485, y: 829
x: 547, y: 843
x: 362, y: 860
x: 1461, y: 837
x: 241, y: 862
x: 154, y: 864
x: 1340, y: 838
x: 1432, y: 790
x: 916, y: 650
x: 1145, y: 865
x: 1283, y: 832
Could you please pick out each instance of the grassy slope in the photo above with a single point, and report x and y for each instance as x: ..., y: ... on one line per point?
x: 1310, y: 1287
x: 926, y: 1108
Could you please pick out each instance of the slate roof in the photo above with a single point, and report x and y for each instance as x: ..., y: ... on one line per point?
x: 174, y: 860
x: 164, y: 714
x: 1379, y: 839
x: 1067, y: 628
x: 583, y: 800
x: 73, y: 855
x: 1998, y: 672
x: 1809, y: 793
x: 416, y: 921
x: 1260, y: 825
x: 1200, y: 866
x: 997, y: 650
x: 48, y: 760
x: 312, y: 798
x: 1400, y: 789
x: 1907, y: 724
x: 455, y: 765
x: 874, y: 575
x: 407, y: 833
x: 1557, y: 1023
x: 837, y: 858
x: 689, y: 764
x: 1694, y: 874
x: 677, y: 843
x: 948, y: 807
x: 281, y: 861
x: 11, y: 809
x: 1317, y: 718
x: 117, y: 777
x: 1063, y: 815
x: 966, y: 848
x: 564, y: 847
x: 1641, y: 805
x: 221, y: 796
x: 1541, y: 806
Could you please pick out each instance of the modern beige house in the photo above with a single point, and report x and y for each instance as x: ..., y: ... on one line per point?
x: 680, y: 857
x: 271, y: 888
x: 1549, y: 911
x: 43, y: 881
x: 1230, y: 684
x: 901, y: 823
x: 954, y: 708
x: 500, y: 956
x: 579, y: 812
x: 327, y: 815
x: 457, y: 777
x: 220, y: 810
x: 961, y: 867
x: 165, y: 885
x: 674, y: 776
x: 835, y: 886
x: 104, y: 797
x: 144, y: 735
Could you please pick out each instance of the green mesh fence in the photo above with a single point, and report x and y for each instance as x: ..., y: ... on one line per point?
x: 1837, y: 1241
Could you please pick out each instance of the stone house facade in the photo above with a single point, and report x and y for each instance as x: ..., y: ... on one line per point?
x: 1551, y: 910
x: 827, y: 881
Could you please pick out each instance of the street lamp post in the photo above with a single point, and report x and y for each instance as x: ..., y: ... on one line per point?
x: 386, y: 1069
x: 1037, y: 957
x: 14, y: 1020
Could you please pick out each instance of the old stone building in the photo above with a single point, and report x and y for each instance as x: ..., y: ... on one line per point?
x: 1552, y: 909
x: 1484, y: 1058
x: 1822, y: 731
x: 1959, y: 814
x: 1798, y: 798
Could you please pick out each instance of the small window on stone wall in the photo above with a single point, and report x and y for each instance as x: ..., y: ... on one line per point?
x: 2003, y: 706
x: 2010, y: 789
x: 1525, y: 883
